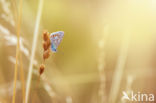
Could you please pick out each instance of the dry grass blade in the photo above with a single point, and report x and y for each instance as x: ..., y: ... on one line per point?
x: 22, y: 77
x: 102, y: 66
x: 17, y: 51
x: 119, y: 69
x: 33, y: 50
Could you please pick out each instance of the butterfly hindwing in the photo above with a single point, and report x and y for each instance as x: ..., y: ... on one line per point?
x: 56, y: 38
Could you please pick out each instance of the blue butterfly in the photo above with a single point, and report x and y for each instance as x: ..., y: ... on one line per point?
x: 55, y: 39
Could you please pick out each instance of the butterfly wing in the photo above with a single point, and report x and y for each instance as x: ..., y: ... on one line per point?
x: 56, y: 38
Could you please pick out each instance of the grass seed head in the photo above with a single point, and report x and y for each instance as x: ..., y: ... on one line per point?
x: 42, y: 67
x: 46, y: 54
x: 45, y: 36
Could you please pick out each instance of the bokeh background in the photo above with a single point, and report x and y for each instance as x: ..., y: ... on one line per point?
x: 109, y: 46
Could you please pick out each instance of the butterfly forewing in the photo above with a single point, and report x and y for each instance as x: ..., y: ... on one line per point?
x: 56, y: 38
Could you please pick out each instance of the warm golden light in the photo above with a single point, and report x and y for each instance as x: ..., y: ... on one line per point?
x: 107, y: 53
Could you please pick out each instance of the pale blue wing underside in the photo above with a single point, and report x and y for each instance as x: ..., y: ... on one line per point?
x: 55, y: 39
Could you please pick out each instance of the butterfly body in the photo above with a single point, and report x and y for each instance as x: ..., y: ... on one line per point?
x: 55, y: 39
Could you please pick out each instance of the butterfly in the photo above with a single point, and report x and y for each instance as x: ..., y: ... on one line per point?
x: 55, y: 39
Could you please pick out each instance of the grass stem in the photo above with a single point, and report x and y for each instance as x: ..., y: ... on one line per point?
x: 33, y: 50
x: 22, y: 77
x: 17, y: 51
x: 119, y: 69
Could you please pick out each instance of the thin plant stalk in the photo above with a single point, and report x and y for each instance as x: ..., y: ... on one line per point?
x: 17, y: 51
x: 101, y: 66
x: 22, y: 77
x: 33, y: 49
x: 119, y: 69
x: 128, y: 88
x: 20, y: 56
